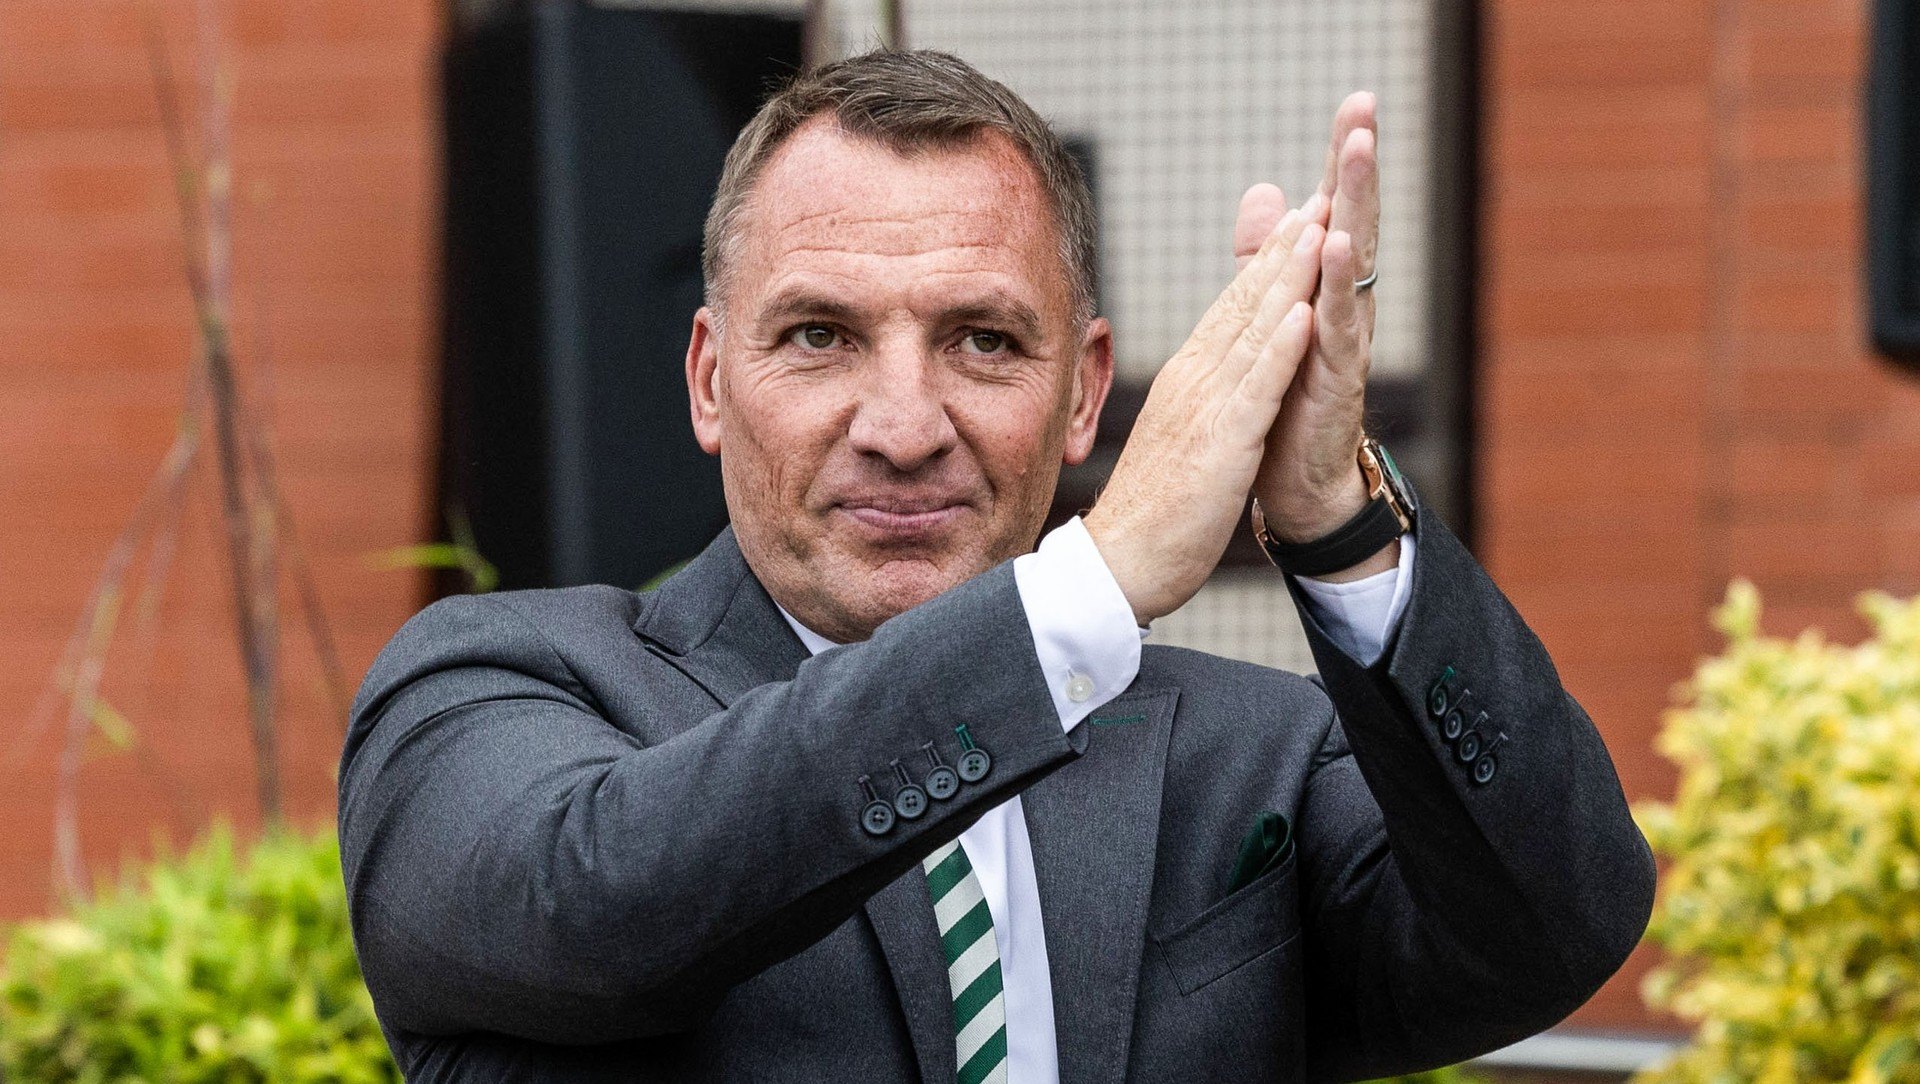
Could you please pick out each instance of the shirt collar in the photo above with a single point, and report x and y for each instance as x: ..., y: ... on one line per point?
x: 815, y: 642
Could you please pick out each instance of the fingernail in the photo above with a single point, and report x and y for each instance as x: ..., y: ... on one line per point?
x: 1298, y: 314
x: 1287, y: 219
x: 1306, y: 236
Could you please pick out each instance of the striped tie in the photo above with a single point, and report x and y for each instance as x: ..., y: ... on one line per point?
x: 973, y: 965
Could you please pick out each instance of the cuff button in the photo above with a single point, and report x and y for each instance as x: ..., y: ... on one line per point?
x: 910, y: 801
x: 974, y: 763
x: 942, y: 781
x: 877, y: 817
x: 1440, y: 696
x: 1484, y: 769
x: 1468, y: 748
x: 1079, y: 688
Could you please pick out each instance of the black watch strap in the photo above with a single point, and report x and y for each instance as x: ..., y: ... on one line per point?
x: 1359, y: 538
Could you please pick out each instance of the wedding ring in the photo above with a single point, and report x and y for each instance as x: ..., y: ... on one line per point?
x: 1366, y: 283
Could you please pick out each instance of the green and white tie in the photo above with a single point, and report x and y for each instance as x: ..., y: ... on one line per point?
x: 973, y: 965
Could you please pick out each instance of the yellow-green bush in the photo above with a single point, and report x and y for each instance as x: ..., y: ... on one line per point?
x: 1790, y: 909
x: 207, y: 967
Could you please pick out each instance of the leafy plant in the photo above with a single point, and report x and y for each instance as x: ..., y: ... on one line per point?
x: 210, y: 967
x: 1791, y: 908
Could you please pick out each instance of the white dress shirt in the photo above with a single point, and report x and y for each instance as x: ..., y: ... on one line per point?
x: 1089, y: 648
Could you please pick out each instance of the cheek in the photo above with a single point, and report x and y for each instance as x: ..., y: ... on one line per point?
x: 1018, y: 433
x: 783, y: 429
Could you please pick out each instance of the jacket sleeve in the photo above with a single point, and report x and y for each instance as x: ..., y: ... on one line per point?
x: 517, y: 864
x: 1466, y: 883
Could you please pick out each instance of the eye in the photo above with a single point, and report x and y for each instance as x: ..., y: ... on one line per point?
x: 814, y: 337
x: 985, y: 342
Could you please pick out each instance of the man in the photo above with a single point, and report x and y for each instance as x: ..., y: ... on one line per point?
x: 593, y: 835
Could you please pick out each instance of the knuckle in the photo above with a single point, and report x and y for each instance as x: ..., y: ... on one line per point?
x: 1240, y: 296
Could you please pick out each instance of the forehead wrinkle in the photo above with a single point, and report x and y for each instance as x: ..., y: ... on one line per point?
x: 842, y: 218
x: 827, y: 232
x: 843, y: 206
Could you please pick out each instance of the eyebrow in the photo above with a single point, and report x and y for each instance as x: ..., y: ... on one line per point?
x: 995, y: 308
x: 1000, y: 309
x: 793, y: 304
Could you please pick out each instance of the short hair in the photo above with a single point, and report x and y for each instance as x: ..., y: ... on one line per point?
x: 909, y: 101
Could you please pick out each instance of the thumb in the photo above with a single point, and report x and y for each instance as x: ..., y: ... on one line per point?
x: 1261, y: 209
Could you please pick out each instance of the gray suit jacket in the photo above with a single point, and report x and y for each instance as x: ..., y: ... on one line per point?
x: 593, y: 835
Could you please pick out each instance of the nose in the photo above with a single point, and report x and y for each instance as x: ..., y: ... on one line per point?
x: 902, y: 414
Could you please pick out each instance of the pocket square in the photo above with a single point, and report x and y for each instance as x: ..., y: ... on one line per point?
x: 1264, y: 848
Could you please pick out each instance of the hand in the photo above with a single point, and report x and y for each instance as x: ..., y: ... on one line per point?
x: 1174, y: 498
x: 1309, y: 482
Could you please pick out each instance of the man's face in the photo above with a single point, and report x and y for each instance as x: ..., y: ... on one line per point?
x: 899, y: 376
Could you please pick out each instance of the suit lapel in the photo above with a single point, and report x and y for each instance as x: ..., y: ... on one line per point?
x: 1094, y: 826
x: 714, y: 622
x: 902, y: 918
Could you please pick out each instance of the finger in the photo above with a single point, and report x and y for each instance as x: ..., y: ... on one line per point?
x: 1267, y: 380
x: 1356, y: 202
x: 1261, y: 209
x: 1316, y: 208
x: 1229, y: 313
x: 1355, y: 113
x: 1338, y: 325
x: 1295, y: 283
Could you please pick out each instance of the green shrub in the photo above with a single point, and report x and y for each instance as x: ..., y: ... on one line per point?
x: 208, y: 967
x: 1791, y: 908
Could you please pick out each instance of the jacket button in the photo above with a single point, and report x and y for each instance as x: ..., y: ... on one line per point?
x: 910, y: 801
x: 1468, y: 748
x: 1484, y: 769
x: 942, y: 782
x: 974, y: 765
x: 877, y: 817
x: 1440, y: 697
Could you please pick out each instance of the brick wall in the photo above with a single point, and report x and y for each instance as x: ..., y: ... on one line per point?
x: 1676, y: 385
x: 333, y: 151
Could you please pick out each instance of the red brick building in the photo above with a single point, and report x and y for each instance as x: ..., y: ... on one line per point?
x: 1673, y: 381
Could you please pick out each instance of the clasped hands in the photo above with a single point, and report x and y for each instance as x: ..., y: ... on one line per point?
x: 1266, y: 396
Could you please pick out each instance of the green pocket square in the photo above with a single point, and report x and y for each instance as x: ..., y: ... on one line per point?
x: 1265, y: 847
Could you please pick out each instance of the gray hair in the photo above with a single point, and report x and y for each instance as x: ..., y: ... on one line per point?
x: 909, y: 101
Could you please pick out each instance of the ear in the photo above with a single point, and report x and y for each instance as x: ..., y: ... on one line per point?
x: 1092, y: 379
x: 703, y: 364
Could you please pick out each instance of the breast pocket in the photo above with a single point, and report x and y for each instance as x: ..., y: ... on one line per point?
x: 1260, y: 917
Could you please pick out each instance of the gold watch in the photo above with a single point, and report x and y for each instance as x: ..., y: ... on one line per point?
x: 1390, y: 512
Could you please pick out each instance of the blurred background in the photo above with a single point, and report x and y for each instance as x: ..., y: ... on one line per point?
x: 312, y: 312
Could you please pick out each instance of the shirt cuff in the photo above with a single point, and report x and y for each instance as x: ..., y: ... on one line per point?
x: 1360, y: 616
x: 1082, y: 624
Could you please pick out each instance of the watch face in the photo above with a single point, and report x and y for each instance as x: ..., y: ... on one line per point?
x: 1397, y: 481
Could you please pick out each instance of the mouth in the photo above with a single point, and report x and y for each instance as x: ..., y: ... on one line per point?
x: 901, y: 520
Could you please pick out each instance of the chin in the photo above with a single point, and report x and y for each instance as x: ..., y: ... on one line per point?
x: 899, y: 586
